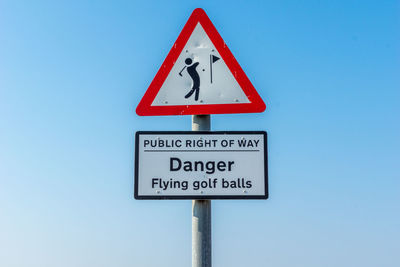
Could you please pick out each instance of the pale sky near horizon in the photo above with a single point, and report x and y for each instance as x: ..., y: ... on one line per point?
x: 73, y: 72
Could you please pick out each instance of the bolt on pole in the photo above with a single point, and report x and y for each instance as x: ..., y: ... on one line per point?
x: 201, y: 212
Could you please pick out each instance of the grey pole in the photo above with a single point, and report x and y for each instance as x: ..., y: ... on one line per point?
x: 201, y: 212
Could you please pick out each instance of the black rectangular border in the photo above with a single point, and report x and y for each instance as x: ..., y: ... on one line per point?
x: 136, y: 178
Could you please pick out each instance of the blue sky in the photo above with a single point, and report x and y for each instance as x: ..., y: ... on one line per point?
x: 72, y: 73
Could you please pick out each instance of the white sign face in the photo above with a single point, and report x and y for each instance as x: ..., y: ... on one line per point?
x: 201, y: 165
x: 200, y: 76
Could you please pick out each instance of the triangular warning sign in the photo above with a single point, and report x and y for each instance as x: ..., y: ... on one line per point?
x: 200, y: 76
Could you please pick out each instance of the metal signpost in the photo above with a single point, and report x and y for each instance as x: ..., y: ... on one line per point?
x: 201, y: 212
x: 200, y: 76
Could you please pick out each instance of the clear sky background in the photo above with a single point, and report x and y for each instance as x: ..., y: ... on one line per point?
x: 73, y: 72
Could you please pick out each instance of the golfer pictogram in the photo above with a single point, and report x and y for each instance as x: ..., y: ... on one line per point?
x: 191, y: 69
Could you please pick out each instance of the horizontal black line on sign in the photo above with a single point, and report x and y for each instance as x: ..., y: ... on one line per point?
x: 148, y: 150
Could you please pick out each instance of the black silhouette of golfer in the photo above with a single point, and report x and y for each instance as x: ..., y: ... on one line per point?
x: 191, y: 69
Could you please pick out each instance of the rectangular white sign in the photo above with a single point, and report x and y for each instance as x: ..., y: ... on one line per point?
x: 201, y: 165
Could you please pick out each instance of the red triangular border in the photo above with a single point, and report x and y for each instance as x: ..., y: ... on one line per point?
x: 199, y: 16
